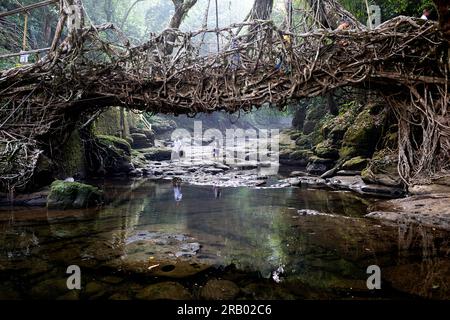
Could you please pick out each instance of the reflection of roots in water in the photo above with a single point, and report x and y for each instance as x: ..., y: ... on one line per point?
x: 412, y: 235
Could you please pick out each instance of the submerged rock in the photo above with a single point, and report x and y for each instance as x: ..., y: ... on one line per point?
x: 431, y: 210
x: 73, y: 195
x: 164, y: 291
x: 219, y: 290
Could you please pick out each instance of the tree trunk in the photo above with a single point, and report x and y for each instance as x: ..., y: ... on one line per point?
x: 443, y: 7
x: 330, y: 13
x: 262, y: 10
x: 47, y: 28
x: 182, y: 7
x: 125, y: 18
x: 332, y: 105
x: 109, y: 11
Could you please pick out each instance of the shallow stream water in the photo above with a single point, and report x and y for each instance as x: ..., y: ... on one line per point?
x: 146, y: 245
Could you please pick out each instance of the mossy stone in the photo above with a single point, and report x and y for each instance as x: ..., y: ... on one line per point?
x: 296, y: 135
x: 116, y: 142
x: 304, y: 141
x: 362, y: 137
x: 357, y: 163
x: 164, y: 291
x: 301, y: 155
x: 219, y: 290
x: 68, y: 195
x: 383, y: 169
x: 325, y: 149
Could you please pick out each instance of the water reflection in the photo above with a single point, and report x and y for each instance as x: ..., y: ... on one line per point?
x: 323, y: 256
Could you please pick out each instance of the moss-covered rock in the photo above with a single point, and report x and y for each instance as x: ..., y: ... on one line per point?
x: 327, y: 150
x: 109, y: 123
x: 73, y: 195
x: 357, y: 163
x: 157, y: 154
x: 301, y: 155
x: 362, y: 136
x: 115, y: 142
x: 140, y: 141
x: 383, y: 169
x: 335, y: 128
x: 110, y: 155
x: 304, y: 141
x: 296, y: 135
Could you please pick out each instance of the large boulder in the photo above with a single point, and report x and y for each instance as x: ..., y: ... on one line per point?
x: 327, y: 150
x: 318, y: 166
x: 383, y: 169
x: 112, y: 156
x: 140, y: 141
x: 73, y: 195
x: 161, y: 125
x: 355, y: 164
x: 142, y: 138
x: 362, y: 136
x: 157, y: 154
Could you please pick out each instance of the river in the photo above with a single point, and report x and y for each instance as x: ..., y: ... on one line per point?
x: 266, y: 243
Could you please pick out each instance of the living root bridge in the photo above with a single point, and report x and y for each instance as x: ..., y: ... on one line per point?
x: 173, y: 73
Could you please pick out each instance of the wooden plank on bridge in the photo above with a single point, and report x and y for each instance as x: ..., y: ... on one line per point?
x: 27, y: 8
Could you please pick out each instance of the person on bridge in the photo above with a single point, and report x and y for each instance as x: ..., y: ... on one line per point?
x: 425, y: 15
x: 235, y: 61
x: 281, y: 63
x: 345, y: 25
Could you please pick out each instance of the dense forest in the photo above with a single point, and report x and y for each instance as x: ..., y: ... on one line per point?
x: 139, y: 18
x: 369, y: 139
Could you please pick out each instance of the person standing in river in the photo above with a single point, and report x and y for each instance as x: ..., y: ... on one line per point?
x: 216, y: 149
x: 177, y: 149
x: 176, y: 182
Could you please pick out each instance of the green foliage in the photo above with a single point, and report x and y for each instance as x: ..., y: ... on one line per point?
x: 389, y: 8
